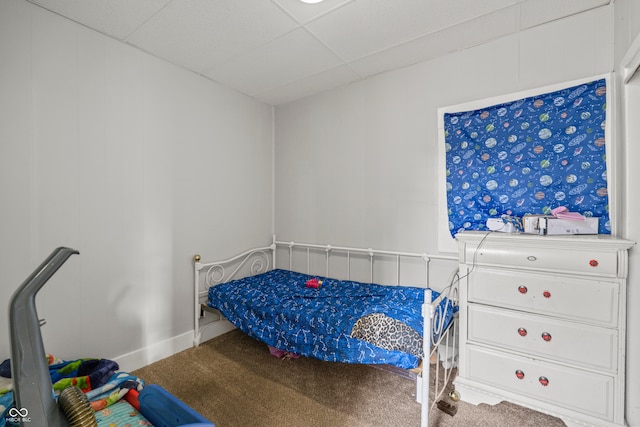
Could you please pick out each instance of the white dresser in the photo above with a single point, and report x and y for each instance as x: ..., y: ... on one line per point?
x: 542, y: 324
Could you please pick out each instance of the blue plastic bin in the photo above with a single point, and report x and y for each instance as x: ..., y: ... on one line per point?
x: 163, y: 409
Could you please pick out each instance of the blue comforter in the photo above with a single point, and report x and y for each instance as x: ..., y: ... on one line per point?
x: 278, y: 309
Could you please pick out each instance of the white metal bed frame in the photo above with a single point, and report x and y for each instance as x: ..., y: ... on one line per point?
x: 257, y: 261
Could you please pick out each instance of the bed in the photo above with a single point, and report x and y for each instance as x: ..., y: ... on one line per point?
x: 329, y: 316
x: 336, y: 320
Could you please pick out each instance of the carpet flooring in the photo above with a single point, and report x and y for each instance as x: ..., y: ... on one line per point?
x: 234, y: 382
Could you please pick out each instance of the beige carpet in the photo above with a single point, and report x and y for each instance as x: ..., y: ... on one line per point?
x: 233, y: 381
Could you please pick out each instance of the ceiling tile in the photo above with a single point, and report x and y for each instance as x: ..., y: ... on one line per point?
x: 307, y: 86
x: 364, y: 27
x: 116, y: 18
x: 536, y: 12
x: 305, y: 12
x: 430, y: 46
x: 280, y: 50
x: 292, y: 57
x: 198, y: 34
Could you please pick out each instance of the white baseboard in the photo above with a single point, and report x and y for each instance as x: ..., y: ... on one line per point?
x: 154, y: 352
x: 158, y: 351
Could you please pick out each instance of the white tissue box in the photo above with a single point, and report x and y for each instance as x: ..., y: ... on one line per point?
x: 555, y: 226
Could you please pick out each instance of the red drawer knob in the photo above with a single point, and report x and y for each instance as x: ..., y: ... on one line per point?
x: 546, y: 294
x: 519, y: 374
x: 593, y: 263
x: 546, y: 336
x: 522, y: 289
x: 544, y: 381
x: 522, y: 332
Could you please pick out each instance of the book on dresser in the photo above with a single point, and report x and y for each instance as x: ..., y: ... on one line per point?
x: 543, y: 324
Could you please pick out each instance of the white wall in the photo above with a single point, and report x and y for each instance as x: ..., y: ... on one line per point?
x: 632, y: 92
x: 136, y: 163
x: 358, y: 165
x: 627, y: 29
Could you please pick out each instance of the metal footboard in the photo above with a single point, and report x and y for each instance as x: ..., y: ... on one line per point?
x: 255, y: 260
x: 444, y: 349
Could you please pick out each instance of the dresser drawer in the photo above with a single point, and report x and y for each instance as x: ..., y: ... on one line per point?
x: 554, y: 339
x: 585, y: 300
x: 543, y: 257
x: 574, y: 389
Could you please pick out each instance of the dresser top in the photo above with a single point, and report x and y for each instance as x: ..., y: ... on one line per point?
x: 535, y: 239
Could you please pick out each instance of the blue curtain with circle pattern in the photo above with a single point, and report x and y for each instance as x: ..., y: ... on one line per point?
x: 528, y: 156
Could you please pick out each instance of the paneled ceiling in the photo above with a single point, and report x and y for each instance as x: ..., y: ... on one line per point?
x: 278, y: 51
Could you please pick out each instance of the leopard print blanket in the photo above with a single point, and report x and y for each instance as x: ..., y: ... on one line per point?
x: 388, y: 333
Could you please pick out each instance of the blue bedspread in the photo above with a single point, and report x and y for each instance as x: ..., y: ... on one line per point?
x: 278, y: 309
